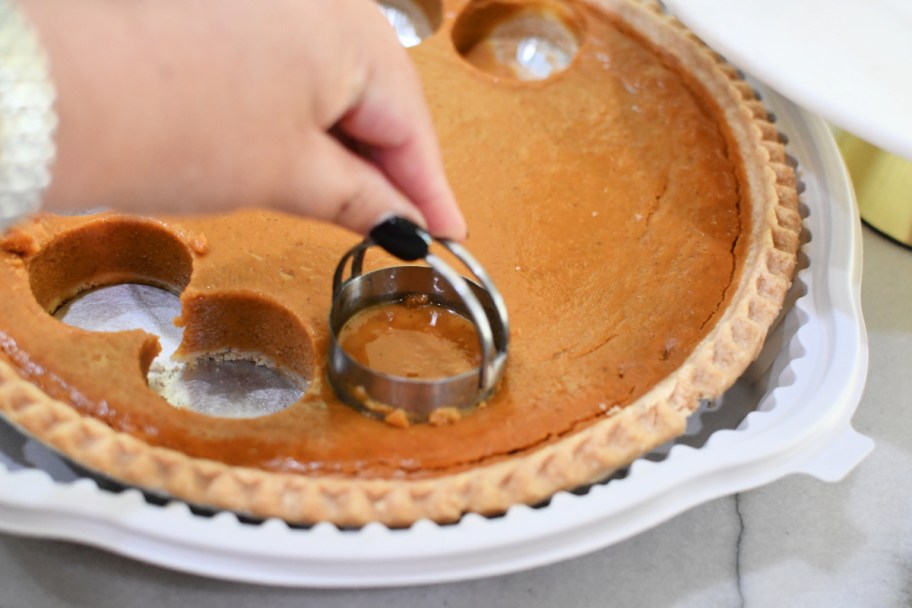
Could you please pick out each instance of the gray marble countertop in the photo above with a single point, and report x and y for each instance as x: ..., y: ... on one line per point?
x: 796, y: 542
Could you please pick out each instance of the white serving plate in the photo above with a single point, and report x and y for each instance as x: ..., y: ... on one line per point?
x: 849, y: 61
x: 790, y: 413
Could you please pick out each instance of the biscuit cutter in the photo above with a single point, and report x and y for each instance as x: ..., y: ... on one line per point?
x: 376, y: 392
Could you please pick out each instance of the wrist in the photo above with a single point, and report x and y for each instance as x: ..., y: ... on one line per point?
x: 27, y: 118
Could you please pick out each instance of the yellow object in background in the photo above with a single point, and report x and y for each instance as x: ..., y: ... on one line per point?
x: 883, y: 186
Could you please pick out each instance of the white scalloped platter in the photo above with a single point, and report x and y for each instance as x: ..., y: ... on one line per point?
x: 790, y: 413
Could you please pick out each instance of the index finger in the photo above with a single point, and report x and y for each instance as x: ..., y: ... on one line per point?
x: 392, y: 118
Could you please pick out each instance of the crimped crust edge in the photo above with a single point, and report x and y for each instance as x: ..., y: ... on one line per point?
x: 583, y: 457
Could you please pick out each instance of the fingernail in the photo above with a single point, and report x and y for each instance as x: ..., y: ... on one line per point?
x: 401, y: 238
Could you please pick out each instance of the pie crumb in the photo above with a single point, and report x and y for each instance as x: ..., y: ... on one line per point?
x: 444, y: 416
x: 397, y: 418
x: 199, y: 244
x: 415, y: 300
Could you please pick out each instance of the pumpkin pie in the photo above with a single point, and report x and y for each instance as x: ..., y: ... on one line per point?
x: 635, y: 209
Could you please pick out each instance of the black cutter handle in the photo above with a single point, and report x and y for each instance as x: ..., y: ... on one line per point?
x: 402, y: 238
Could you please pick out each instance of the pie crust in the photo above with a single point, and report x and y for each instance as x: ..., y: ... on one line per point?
x: 614, y: 438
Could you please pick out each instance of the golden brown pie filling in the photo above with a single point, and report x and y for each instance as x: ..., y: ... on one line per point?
x: 611, y: 203
x: 423, y: 341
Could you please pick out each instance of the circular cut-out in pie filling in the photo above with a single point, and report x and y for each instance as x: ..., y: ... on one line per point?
x: 523, y: 41
x: 635, y: 210
x: 413, y: 20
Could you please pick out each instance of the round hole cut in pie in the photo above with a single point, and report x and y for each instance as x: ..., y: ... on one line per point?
x: 635, y: 209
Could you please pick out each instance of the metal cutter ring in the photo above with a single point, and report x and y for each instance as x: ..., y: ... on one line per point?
x: 377, y: 392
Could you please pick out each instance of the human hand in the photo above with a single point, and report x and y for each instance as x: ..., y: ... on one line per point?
x: 210, y: 105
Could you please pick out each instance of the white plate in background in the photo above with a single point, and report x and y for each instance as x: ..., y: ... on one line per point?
x: 849, y: 61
